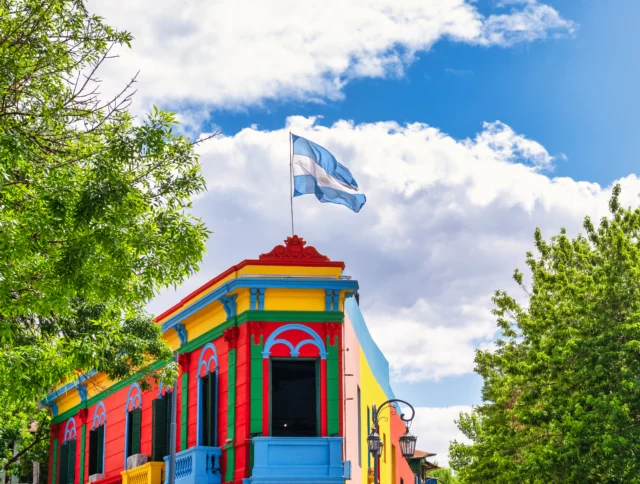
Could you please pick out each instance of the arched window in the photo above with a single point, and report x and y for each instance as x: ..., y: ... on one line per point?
x: 97, y: 440
x: 133, y: 411
x: 68, y: 453
x: 207, y: 395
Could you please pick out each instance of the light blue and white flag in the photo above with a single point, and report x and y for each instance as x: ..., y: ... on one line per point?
x: 317, y: 172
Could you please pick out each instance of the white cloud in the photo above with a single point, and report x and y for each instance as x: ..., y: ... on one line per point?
x: 235, y: 53
x: 435, y: 428
x: 446, y: 223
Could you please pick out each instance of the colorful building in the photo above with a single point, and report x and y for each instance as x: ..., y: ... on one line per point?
x: 278, y: 374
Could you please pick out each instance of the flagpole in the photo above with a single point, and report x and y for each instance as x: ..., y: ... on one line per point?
x: 291, y: 179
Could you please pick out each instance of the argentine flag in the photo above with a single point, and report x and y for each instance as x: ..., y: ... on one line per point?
x: 317, y: 172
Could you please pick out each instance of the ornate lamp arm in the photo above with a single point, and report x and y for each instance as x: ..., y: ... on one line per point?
x: 376, y: 411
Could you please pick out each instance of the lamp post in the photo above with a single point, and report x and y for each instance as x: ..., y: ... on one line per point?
x: 407, y: 441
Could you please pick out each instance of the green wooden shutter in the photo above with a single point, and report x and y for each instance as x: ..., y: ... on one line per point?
x: 93, y: 452
x: 100, y: 452
x: 72, y: 462
x: 64, y: 463
x: 158, y: 429
x: 136, y: 420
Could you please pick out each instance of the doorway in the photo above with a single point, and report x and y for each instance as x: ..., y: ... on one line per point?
x: 294, y: 398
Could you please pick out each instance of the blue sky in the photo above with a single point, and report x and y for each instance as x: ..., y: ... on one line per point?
x: 578, y: 96
x: 468, y: 124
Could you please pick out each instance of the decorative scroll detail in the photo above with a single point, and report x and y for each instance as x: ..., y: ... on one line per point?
x: 256, y: 327
x: 229, y: 304
x: 333, y: 329
x: 184, y: 359
x: 230, y: 335
x: 294, y: 248
x: 182, y: 333
x: 82, y: 391
x: 83, y: 414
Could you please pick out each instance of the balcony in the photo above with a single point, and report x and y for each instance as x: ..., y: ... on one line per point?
x: 197, y: 465
x: 312, y: 460
x: 149, y: 473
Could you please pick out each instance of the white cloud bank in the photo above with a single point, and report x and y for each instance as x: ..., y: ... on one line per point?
x: 446, y: 223
x: 235, y: 53
x: 435, y: 428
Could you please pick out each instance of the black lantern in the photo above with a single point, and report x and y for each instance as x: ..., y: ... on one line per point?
x: 407, y: 441
x: 408, y: 444
x: 375, y: 444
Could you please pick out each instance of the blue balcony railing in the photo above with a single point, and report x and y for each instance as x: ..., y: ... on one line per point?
x: 312, y: 460
x: 196, y: 465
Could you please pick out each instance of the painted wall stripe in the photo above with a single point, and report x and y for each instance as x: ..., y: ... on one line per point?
x: 82, y: 444
x: 184, y: 416
x: 333, y: 388
x: 255, y: 426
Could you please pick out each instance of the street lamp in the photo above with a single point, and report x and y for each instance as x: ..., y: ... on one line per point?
x: 407, y: 441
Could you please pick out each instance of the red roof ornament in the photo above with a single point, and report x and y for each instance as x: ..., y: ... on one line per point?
x: 294, y: 248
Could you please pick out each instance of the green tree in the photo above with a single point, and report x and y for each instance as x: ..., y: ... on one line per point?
x: 444, y: 475
x: 93, y: 206
x: 26, y: 424
x: 562, y: 391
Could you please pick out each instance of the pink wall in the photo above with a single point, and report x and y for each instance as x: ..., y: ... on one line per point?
x: 352, y: 367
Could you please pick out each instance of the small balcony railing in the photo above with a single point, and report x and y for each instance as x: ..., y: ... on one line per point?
x: 149, y: 473
x: 297, y: 459
x: 197, y: 465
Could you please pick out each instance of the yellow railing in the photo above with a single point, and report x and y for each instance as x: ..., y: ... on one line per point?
x: 149, y: 473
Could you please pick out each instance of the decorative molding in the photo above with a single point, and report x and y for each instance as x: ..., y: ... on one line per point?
x: 82, y: 391
x: 261, y: 299
x: 54, y: 409
x: 295, y: 350
x: 70, y: 430
x: 206, y: 362
x: 231, y: 335
x: 257, y: 283
x: 229, y: 304
x: 253, y: 299
x: 256, y: 327
x: 294, y: 249
x: 134, y: 397
x: 99, y: 416
x: 333, y: 329
x: 184, y: 359
x: 328, y: 297
x: 182, y: 333
x: 83, y: 415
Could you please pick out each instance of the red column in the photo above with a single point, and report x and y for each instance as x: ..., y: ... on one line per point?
x: 323, y: 398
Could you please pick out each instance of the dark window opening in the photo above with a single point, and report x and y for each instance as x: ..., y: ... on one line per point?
x: 134, y: 419
x: 208, y: 409
x: 294, y: 398
x: 161, y: 428
x: 96, y: 450
x: 68, y: 462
